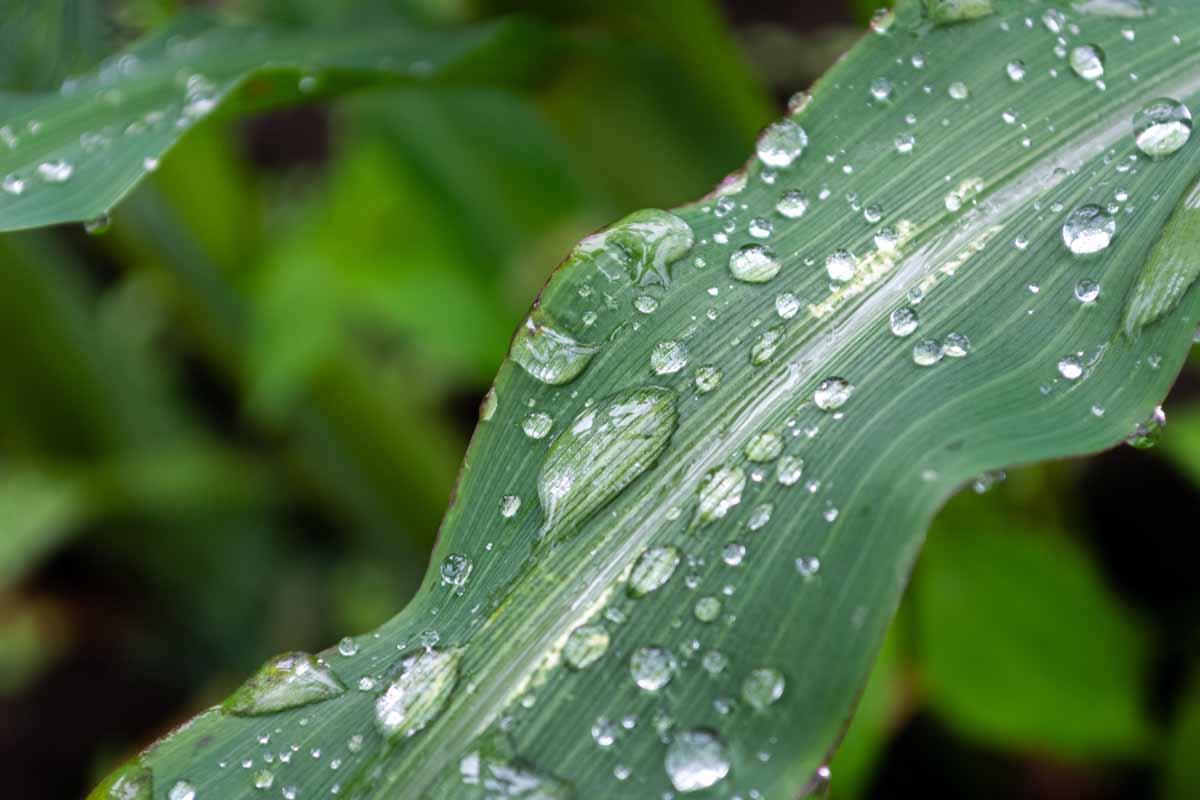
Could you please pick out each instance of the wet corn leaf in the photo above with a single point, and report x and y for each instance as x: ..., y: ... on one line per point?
x: 71, y: 155
x: 920, y: 276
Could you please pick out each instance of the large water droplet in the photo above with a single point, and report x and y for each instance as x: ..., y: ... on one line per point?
x: 1161, y: 127
x: 286, y: 681
x: 548, y: 354
x: 762, y: 687
x: 720, y: 491
x: 1087, y: 60
x: 645, y: 243
x: 492, y: 771
x: 651, y: 667
x: 696, y: 759
x: 832, y: 393
x: 602, y: 451
x: 781, y: 143
x: 754, y: 263
x: 653, y: 568
x: 585, y: 645
x: 1088, y: 229
x: 419, y: 694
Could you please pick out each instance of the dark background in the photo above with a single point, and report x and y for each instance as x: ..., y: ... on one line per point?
x: 171, y: 513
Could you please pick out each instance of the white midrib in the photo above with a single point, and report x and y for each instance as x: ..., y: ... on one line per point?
x: 674, y: 488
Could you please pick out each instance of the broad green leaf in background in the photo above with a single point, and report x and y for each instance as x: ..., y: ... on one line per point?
x: 1181, y: 777
x: 70, y: 156
x: 703, y: 475
x: 1010, y: 627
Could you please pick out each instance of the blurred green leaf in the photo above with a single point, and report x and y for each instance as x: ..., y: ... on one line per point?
x: 37, y: 511
x: 1181, y: 769
x: 1181, y: 443
x: 72, y: 154
x: 1022, y: 645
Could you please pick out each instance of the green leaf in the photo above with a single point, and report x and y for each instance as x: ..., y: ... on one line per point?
x: 1021, y: 644
x: 1181, y: 773
x: 807, y: 561
x: 71, y: 155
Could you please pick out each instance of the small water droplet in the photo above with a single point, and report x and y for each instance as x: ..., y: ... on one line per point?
x: 956, y: 345
x: 754, y: 263
x: 927, y: 352
x: 653, y: 568
x: 808, y: 567
x: 1087, y: 60
x: 707, y: 609
x: 696, y: 759
x: 55, y: 171
x: 789, y: 470
x: 763, y: 687
x: 645, y: 304
x: 765, y: 346
x: 1088, y: 229
x: 832, y: 393
x: 958, y: 91
x: 1070, y: 368
x: 781, y: 143
x: 1087, y: 291
x: 792, y: 204
x: 347, y: 647
x: 903, y: 321
x: 707, y: 379
x: 764, y: 447
x: 904, y: 143
x: 418, y: 695
x: 733, y: 553
x: 537, y: 424
x: 456, y: 570
x: 1015, y: 71
x: 787, y: 305
x: 1162, y: 127
x: 1147, y: 433
x: 585, y: 646
x: 881, y: 89
x: 720, y: 491
x: 651, y: 667
x: 840, y: 265
x: 760, y: 227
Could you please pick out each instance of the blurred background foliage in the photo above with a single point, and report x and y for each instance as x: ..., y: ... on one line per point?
x: 229, y: 426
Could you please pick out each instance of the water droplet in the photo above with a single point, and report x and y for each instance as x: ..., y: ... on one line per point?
x: 604, y: 732
x: 1147, y: 433
x: 754, y: 263
x: 787, y: 305
x: 585, y: 646
x: 456, y: 569
x: 956, y: 345
x: 733, y: 553
x: 1070, y: 368
x: 510, y: 504
x: 808, y: 567
x: 1162, y: 127
x: 1088, y: 229
x: 347, y: 647
x: 645, y: 304
x: 602, y: 451
x: 707, y: 609
x: 840, y: 265
x: 789, y: 470
x: 12, y: 184
x: 696, y: 759
x: 832, y: 393
x: 131, y: 782
x: 651, y: 667
x: 549, y: 355
x: 765, y: 346
x: 55, y: 171
x: 927, y: 352
x: 182, y: 790
x: 653, y: 568
x: 792, y: 204
x: 958, y: 91
x: 645, y: 243
x: 419, y: 694
x: 264, y: 779
x: 763, y: 687
x: 764, y: 447
x: 707, y: 379
x: 494, y: 772
x: 720, y: 491
x: 1087, y: 60
x: 668, y: 357
x: 714, y: 662
x: 881, y: 89
x: 949, y: 12
x: 1054, y: 20
x: 487, y: 409
x: 1087, y: 291
x: 903, y: 321
x: 781, y: 143
x: 286, y: 681
x: 760, y: 228
x: 1015, y: 71
x: 537, y: 424
x: 904, y: 143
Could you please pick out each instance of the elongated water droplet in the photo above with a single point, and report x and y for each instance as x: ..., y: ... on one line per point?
x: 781, y: 143
x: 492, y: 771
x: 832, y: 393
x: 1087, y: 60
x: 286, y: 681
x: 763, y: 687
x: 418, y: 695
x: 131, y: 782
x: 763, y: 349
x: 645, y: 244
x: 949, y: 12
x: 653, y: 568
x: 789, y: 470
x: 1088, y: 229
x: 754, y: 263
x: 549, y: 355
x: 707, y: 379
x: 487, y: 408
x: 55, y: 171
x: 585, y: 646
x: 651, y: 667
x: 720, y: 491
x: 696, y: 760
x: 601, y: 452
x: 1162, y: 127
x: 764, y: 447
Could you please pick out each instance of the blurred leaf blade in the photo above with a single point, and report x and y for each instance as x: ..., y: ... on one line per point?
x: 878, y: 469
x: 71, y: 155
